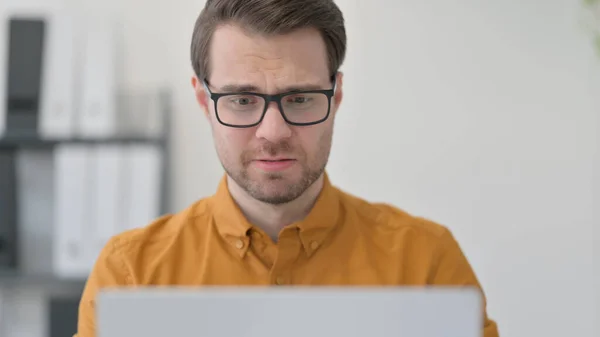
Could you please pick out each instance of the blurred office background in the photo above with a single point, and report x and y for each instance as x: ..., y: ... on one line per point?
x: 481, y: 115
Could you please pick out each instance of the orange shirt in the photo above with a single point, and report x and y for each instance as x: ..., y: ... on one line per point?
x: 343, y: 241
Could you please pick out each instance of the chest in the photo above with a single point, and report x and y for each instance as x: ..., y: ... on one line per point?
x: 347, y: 261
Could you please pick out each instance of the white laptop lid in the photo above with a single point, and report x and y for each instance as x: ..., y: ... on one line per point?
x: 290, y: 312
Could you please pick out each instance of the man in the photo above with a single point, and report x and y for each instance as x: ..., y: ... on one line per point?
x: 267, y: 79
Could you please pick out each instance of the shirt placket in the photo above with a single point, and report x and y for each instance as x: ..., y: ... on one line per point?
x: 288, y: 248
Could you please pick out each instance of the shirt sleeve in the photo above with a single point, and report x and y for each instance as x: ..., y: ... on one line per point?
x: 452, y: 268
x: 108, y: 271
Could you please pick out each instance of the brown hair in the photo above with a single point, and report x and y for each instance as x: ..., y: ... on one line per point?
x: 269, y: 17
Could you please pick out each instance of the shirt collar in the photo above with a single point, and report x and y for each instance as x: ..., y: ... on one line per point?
x: 233, y: 226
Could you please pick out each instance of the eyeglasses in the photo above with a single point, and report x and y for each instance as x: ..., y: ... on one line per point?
x: 247, y: 109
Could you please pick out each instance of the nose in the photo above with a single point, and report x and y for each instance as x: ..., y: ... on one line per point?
x: 273, y: 127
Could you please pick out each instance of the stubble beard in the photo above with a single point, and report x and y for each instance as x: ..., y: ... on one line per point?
x: 279, y: 188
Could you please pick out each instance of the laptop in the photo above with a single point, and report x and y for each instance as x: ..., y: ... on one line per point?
x: 290, y: 312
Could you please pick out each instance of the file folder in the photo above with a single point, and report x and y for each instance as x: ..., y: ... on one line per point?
x: 108, y: 202
x: 142, y: 184
x: 35, y: 211
x: 3, y: 68
x: 60, y: 89
x: 97, y: 115
x: 8, y: 206
x: 25, y: 68
x: 63, y: 315
x: 73, y: 209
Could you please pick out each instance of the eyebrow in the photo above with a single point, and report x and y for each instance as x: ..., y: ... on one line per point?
x: 233, y: 88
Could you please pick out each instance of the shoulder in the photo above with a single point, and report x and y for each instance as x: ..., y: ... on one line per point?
x: 135, y: 247
x: 387, y: 220
x: 427, y: 244
x: 129, y: 256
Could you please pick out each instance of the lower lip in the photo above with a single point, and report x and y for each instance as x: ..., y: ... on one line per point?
x: 274, y: 165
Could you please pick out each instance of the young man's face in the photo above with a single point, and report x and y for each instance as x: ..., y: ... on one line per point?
x: 274, y: 161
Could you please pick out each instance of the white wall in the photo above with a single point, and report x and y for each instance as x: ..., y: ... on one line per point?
x: 486, y: 121
x: 481, y: 115
x: 492, y: 131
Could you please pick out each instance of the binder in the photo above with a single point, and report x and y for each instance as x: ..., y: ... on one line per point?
x: 35, y: 211
x: 59, y: 82
x: 62, y: 318
x: 143, y: 176
x: 97, y: 114
x: 8, y: 206
x: 100, y: 191
x: 72, y: 227
x: 30, y: 13
x: 107, y: 197
x: 3, y: 67
x: 25, y: 68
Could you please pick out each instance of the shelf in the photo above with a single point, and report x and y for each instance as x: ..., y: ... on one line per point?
x: 47, y: 282
x: 36, y: 142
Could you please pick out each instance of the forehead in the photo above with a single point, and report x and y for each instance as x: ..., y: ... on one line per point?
x: 237, y: 56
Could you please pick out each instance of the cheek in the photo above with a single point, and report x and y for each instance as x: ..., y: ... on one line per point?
x: 231, y: 142
x: 315, y: 141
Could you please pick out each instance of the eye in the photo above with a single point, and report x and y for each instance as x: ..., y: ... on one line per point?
x: 242, y: 100
x: 298, y: 99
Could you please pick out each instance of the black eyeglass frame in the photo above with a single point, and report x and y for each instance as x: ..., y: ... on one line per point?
x: 274, y: 98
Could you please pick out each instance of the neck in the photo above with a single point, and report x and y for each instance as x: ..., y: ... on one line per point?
x: 272, y: 218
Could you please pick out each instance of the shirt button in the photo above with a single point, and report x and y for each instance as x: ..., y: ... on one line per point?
x: 314, y: 245
x: 280, y: 280
x: 239, y: 244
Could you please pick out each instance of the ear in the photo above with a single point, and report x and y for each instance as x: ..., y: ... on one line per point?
x: 201, y: 95
x: 339, y: 93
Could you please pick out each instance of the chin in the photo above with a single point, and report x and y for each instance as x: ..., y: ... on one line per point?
x: 275, y: 187
x: 275, y: 182
x: 276, y: 195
